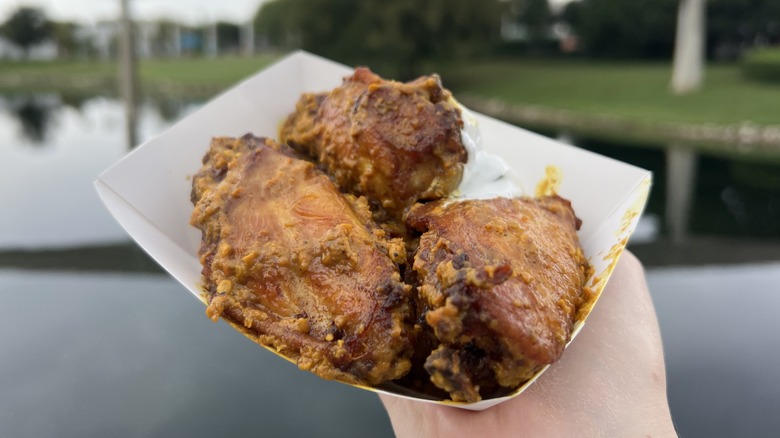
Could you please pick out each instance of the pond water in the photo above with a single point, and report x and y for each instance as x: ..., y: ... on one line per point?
x: 133, y: 355
x: 731, y: 197
x: 53, y: 148
x: 55, y: 145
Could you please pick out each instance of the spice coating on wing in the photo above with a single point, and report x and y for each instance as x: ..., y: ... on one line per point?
x: 502, y: 280
x: 396, y: 143
x: 299, y: 265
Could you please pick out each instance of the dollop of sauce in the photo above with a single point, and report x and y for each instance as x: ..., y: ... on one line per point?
x: 485, y: 175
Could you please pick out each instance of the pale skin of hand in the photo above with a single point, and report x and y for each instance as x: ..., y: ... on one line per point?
x: 610, y: 382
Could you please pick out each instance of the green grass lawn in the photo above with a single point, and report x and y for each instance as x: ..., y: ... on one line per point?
x: 218, y: 73
x: 224, y: 71
x: 637, y: 91
x: 59, y: 67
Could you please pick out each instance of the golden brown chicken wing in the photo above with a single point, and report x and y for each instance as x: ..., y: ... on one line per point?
x: 396, y: 143
x: 298, y: 266
x: 501, y: 280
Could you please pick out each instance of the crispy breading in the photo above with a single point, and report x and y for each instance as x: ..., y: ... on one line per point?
x: 395, y: 143
x: 501, y: 280
x: 298, y: 266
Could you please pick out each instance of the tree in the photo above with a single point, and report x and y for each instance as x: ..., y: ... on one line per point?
x: 276, y: 23
x: 572, y: 14
x: 646, y: 28
x: 228, y: 35
x: 627, y: 29
x: 64, y: 34
x: 164, y: 40
x: 27, y: 27
x: 393, y: 37
x: 736, y: 25
x: 688, y: 65
x: 536, y: 18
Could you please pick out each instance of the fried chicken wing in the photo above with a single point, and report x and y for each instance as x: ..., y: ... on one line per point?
x: 396, y: 143
x: 298, y: 266
x: 501, y: 280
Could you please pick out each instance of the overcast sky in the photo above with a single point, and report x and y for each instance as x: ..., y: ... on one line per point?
x: 186, y: 11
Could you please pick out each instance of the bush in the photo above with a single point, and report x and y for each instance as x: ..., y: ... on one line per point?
x: 762, y: 64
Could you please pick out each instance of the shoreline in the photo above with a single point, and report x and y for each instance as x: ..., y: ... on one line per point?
x: 740, y: 140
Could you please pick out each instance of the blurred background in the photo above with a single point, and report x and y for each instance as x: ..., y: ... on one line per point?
x: 95, y: 340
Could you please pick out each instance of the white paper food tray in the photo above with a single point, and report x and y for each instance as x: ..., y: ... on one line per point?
x: 148, y: 191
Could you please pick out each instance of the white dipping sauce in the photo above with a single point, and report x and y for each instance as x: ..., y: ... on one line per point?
x: 485, y: 175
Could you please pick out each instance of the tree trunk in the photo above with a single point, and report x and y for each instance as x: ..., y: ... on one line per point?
x: 688, y: 67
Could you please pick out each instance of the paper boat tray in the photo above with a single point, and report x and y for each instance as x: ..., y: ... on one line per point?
x: 148, y: 191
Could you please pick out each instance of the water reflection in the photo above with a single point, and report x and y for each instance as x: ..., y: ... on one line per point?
x: 57, y: 150
x: 34, y: 114
x: 731, y: 198
x: 170, y: 109
x: 75, y: 100
x: 58, y: 144
x: 34, y: 117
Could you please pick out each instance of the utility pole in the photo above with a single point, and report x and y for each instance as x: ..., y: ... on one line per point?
x: 248, y: 37
x: 128, y: 80
x: 212, y: 41
x: 688, y: 64
x: 177, y: 40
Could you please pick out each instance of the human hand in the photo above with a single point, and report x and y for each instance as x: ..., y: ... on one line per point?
x: 610, y: 382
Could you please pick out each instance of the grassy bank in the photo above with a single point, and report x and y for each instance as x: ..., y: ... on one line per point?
x: 181, y: 76
x: 222, y: 72
x: 636, y: 91
x: 625, y: 101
